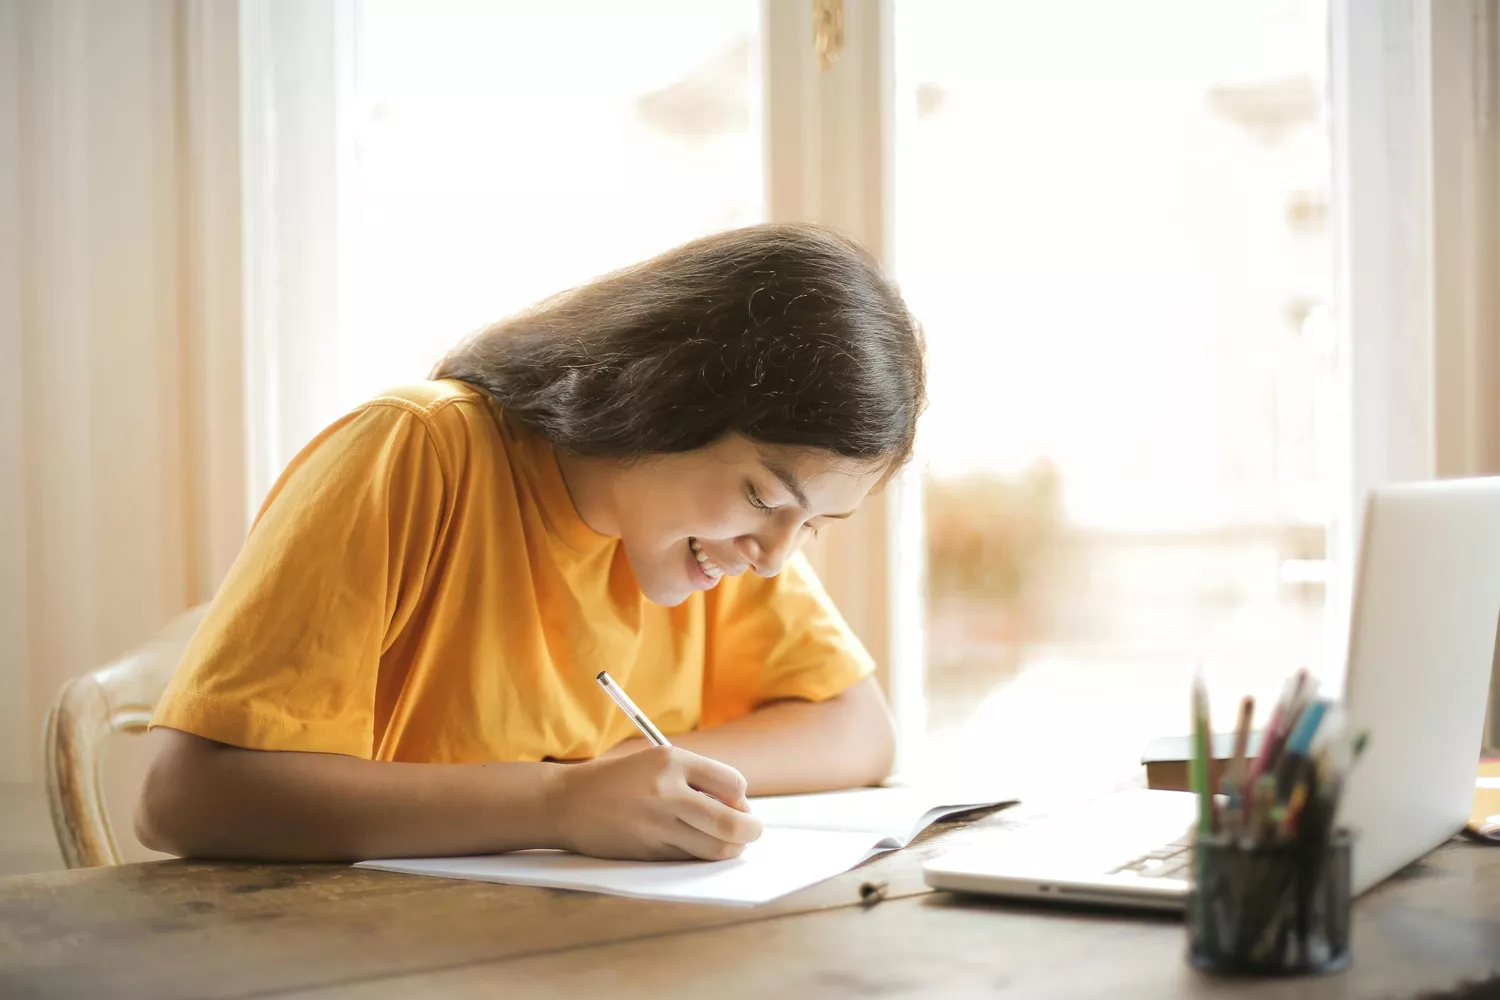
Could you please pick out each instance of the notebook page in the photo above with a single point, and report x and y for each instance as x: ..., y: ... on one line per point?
x: 781, y: 861
x: 891, y: 816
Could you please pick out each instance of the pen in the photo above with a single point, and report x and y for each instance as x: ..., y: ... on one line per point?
x: 1343, y: 753
x: 1296, y: 759
x: 1238, y: 767
x: 1238, y: 764
x: 1264, y: 801
x: 629, y: 708
x: 1201, y: 758
x: 1294, y: 805
x: 1283, y: 715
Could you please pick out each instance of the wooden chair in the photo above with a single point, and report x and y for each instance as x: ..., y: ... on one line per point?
x: 118, y: 697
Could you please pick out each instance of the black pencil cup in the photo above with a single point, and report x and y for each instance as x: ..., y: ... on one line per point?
x: 1270, y: 909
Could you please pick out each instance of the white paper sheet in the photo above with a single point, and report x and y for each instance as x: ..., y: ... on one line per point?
x: 781, y: 861
x: 807, y: 838
x: 895, y: 815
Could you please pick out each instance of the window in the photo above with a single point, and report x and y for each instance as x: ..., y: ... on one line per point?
x: 1117, y: 239
x: 504, y: 152
x: 1176, y: 326
x: 417, y: 171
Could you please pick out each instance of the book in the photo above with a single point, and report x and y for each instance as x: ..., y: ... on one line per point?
x: 807, y: 839
x: 1486, y: 811
x: 1167, y: 758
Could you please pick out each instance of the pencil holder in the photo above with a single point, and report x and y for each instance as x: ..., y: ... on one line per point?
x: 1270, y: 909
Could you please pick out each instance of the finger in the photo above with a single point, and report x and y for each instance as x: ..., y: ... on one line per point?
x: 647, y: 850
x: 717, y: 779
x: 665, y: 852
x: 719, y: 821
x: 702, y: 845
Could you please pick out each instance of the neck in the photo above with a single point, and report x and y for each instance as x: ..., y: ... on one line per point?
x: 588, y: 481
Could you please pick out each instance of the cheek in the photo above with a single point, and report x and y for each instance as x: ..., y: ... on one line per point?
x: 663, y: 530
x: 728, y: 525
x: 668, y: 514
x: 714, y: 517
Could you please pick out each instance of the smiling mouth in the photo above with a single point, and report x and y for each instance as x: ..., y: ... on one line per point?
x: 711, y: 569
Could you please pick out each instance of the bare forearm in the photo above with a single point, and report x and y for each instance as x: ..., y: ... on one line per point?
x: 209, y: 800
x: 798, y: 746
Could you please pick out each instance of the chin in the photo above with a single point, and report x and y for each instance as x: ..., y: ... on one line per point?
x: 667, y: 596
x: 661, y: 587
x: 654, y: 574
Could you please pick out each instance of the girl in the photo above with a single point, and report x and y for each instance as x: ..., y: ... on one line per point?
x: 402, y: 659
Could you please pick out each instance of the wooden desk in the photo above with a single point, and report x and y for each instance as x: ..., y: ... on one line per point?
x: 181, y: 929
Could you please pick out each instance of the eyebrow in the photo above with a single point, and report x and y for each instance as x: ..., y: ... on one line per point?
x: 798, y: 494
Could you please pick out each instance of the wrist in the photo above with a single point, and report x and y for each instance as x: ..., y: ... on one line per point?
x: 620, y: 749
x: 555, y: 825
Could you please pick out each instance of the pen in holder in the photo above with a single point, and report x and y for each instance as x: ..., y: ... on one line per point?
x: 1271, y: 870
x: 1270, y: 908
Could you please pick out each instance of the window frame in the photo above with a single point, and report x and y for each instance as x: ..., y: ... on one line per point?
x: 829, y: 143
x: 1415, y: 158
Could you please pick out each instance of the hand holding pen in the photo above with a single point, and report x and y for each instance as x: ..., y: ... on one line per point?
x: 661, y: 803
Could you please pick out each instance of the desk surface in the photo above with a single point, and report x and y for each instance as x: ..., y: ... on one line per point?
x: 185, y: 929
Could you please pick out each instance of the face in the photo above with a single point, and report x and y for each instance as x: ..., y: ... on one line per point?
x: 689, y: 520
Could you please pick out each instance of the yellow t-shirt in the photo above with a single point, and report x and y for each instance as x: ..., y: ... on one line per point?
x: 419, y: 587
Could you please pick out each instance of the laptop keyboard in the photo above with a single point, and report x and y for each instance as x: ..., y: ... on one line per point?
x: 1172, y: 860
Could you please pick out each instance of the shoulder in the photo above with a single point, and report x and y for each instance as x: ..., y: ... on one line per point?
x: 458, y: 418
x: 433, y: 402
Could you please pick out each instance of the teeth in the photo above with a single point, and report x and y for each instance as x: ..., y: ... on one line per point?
x: 708, y: 566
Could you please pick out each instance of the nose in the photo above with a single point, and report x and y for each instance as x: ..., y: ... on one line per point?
x: 767, y: 551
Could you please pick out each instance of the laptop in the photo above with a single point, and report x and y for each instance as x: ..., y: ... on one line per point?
x: 1423, y: 635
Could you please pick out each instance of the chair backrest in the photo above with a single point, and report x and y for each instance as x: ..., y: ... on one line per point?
x: 118, y: 697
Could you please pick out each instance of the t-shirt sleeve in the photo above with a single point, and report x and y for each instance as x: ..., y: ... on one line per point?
x: 774, y: 639
x: 288, y: 656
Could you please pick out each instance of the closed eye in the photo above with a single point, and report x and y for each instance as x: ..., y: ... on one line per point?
x: 756, y: 501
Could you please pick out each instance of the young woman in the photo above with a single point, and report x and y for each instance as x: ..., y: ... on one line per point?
x: 402, y: 660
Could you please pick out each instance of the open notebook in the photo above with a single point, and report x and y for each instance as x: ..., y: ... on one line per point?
x: 807, y: 838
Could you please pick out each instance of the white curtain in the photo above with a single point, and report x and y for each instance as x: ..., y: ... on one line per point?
x: 121, y: 429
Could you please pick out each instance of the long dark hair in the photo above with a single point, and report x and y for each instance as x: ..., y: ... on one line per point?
x: 787, y: 334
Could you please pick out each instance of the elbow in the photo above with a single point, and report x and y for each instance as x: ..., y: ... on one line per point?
x: 153, y: 824
x: 882, y: 748
x: 149, y: 828
x: 164, y: 809
x: 158, y: 817
x: 873, y: 729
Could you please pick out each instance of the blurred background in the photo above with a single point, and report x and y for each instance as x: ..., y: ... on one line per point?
x: 224, y: 224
